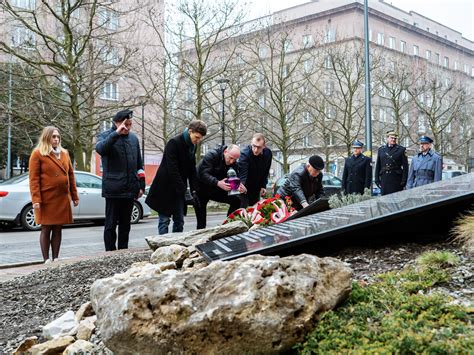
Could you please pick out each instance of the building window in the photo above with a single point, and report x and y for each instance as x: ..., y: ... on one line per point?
x: 329, y: 139
x: 260, y: 80
x: 262, y: 51
x: 329, y: 35
x: 189, y: 93
x: 428, y: 55
x: 307, y: 41
x: 416, y: 50
x: 406, y: 142
x: 109, y: 19
x: 382, y: 115
x: 287, y: 46
x: 446, y: 62
x: 110, y: 55
x: 466, y: 68
x: 24, y: 4
x: 438, y: 58
x: 261, y: 101
x: 421, y: 124
x: 329, y: 88
x: 370, y: 35
x: 329, y: 112
x: 391, y: 42
x: 448, y: 128
x: 306, y: 141
x: 110, y: 91
x: 306, y: 117
x: 380, y: 39
x: 308, y: 65
x: 456, y: 65
x: 23, y: 37
x: 403, y: 45
x: 406, y: 119
x: 328, y: 62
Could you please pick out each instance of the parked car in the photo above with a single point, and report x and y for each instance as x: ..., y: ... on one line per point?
x: 332, y: 184
x: 16, y: 206
x: 448, y: 174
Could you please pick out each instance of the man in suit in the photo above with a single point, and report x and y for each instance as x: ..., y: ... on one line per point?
x: 123, y: 178
x: 391, y: 169
x: 357, y: 174
x: 212, y: 180
x: 426, y: 166
x: 254, y: 166
x: 178, y: 166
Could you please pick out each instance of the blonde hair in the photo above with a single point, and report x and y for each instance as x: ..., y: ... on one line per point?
x: 44, y: 143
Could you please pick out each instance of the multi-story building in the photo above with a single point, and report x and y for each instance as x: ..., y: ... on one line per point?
x: 422, y: 80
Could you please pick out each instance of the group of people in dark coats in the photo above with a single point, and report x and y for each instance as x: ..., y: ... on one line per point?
x: 208, y: 181
x: 392, y: 173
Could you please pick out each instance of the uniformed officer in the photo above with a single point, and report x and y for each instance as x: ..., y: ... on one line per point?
x: 391, y: 169
x: 357, y: 173
x: 426, y: 166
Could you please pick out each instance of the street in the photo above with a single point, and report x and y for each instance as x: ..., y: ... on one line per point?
x: 19, y: 246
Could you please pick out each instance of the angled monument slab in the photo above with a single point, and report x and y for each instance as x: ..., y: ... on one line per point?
x: 430, y: 206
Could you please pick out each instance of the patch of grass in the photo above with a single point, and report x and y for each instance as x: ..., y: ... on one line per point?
x: 339, y: 200
x: 394, y: 315
x: 437, y: 259
x: 463, y: 231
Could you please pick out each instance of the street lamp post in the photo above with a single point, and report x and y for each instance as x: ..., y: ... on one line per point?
x: 143, y: 132
x: 223, y: 85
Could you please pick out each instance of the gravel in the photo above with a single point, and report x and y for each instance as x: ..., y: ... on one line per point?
x: 27, y: 303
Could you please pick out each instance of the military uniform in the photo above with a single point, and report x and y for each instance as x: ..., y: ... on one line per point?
x: 425, y: 167
x: 357, y: 174
x: 391, y: 169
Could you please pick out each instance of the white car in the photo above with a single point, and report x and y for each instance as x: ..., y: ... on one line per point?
x: 448, y: 174
x: 16, y: 207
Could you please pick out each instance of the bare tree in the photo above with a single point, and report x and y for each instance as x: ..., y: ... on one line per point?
x: 75, y: 53
x: 439, y: 99
x: 278, y: 104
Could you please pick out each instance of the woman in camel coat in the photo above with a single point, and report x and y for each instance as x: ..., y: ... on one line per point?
x: 52, y: 188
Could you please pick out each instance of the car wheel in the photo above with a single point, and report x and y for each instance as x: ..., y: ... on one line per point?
x: 136, y: 213
x: 28, y: 219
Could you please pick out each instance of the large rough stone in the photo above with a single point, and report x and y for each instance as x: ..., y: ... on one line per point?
x: 197, y: 236
x: 173, y: 253
x: 251, y: 305
x: 62, y: 326
x: 80, y: 347
x: 84, y: 311
x: 55, y: 346
x: 25, y: 345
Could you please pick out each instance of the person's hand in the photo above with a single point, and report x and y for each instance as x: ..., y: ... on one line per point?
x: 304, y: 204
x: 263, y: 191
x: 196, y: 201
x: 223, y: 185
x: 122, y: 129
x: 242, y: 189
x: 75, y: 203
x: 36, y: 206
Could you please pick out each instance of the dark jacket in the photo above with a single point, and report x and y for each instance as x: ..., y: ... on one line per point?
x: 253, y: 170
x: 177, y: 167
x: 391, y: 169
x: 212, y: 169
x: 121, y: 160
x: 357, y: 174
x: 301, y: 186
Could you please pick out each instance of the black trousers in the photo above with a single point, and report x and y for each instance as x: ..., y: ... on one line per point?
x: 217, y: 195
x: 117, y: 211
x: 249, y: 199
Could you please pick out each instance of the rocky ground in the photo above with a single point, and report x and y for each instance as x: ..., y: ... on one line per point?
x: 27, y: 303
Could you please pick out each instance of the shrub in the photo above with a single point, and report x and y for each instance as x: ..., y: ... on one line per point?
x: 463, y: 231
x: 394, y: 315
x: 438, y: 259
x: 336, y: 201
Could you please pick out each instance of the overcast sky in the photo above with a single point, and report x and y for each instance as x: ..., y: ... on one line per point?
x: 457, y: 14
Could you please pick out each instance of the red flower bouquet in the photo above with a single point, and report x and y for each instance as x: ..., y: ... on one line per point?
x: 265, y: 212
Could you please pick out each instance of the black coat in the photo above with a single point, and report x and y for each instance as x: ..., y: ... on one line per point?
x: 391, y: 169
x: 121, y: 160
x: 357, y: 174
x: 177, y: 167
x: 253, y: 170
x: 300, y: 186
x: 212, y: 169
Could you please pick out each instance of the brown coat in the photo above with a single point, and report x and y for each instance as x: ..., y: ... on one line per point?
x: 53, y: 186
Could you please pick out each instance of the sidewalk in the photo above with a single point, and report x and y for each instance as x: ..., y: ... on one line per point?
x: 8, y: 272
